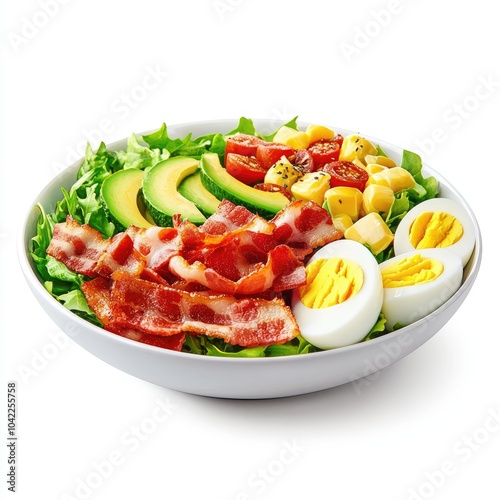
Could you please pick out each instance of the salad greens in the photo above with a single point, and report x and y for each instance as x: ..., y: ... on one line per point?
x: 83, y: 203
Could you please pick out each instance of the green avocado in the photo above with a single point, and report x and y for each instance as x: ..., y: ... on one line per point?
x: 120, y: 194
x: 193, y: 189
x: 161, y: 195
x: 224, y: 186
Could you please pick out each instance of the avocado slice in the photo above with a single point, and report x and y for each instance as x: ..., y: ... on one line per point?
x: 224, y: 186
x: 161, y: 195
x: 193, y: 189
x: 120, y: 194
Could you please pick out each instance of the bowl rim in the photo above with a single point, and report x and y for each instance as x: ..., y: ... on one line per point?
x: 33, y: 280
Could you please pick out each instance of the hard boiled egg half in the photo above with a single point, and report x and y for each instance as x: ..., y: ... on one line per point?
x: 417, y: 283
x: 342, y: 298
x: 436, y: 223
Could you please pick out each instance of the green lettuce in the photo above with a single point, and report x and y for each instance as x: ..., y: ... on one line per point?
x: 212, y: 346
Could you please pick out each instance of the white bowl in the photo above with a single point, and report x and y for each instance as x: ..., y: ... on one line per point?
x: 240, y: 378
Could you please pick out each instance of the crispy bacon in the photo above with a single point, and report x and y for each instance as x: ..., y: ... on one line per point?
x: 281, y: 271
x: 121, y: 257
x: 304, y: 225
x: 156, y: 244
x: 172, y: 342
x: 161, y: 310
x: 156, y: 284
x: 98, y: 295
x: 77, y: 246
x: 230, y: 217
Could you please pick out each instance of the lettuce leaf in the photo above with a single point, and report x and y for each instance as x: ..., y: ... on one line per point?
x: 378, y: 329
x: 426, y: 187
x: 139, y: 156
x: 245, y: 126
x: 212, y: 346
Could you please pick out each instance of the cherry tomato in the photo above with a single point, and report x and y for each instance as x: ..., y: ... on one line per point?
x: 243, y: 144
x: 303, y: 161
x: 246, y: 169
x: 273, y: 188
x: 345, y: 173
x: 325, y: 151
x: 270, y: 152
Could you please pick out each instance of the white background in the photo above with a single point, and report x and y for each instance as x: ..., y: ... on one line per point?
x: 423, y: 75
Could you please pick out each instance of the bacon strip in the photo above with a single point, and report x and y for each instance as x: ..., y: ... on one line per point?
x: 98, y: 295
x: 121, y: 257
x: 304, y: 226
x: 230, y: 217
x: 156, y: 244
x: 161, y: 310
x: 281, y: 271
x: 77, y: 246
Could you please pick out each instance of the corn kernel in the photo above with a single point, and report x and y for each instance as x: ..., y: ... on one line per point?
x: 396, y: 178
x: 282, y: 173
x: 290, y: 137
x: 374, y: 168
x: 344, y: 200
x: 342, y: 222
x: 318, y: 132
x: 355, y: 146
x: 311, y: 186
x: 380, y: 160
x: 377, y: 198
x: 371, y: 230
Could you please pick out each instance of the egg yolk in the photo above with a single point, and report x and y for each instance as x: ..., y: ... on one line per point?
x: 414, y: 270
x: 330, y: 282
x: 435, y: 230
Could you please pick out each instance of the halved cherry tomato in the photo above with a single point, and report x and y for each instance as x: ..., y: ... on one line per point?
x: 270, y: 152
x: 303, y: 161
x: 345, y: 173
x: 246, y: 169
x: 273, y: 188
x: 326, y: 150
x: 243, y: 144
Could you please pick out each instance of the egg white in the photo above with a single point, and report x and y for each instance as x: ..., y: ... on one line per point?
x: 406, y: 304
x: 463, y: 247
x: 349, y: 322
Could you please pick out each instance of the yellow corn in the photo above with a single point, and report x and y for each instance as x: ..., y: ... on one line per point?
x: 311, y: 186
x: 290, y: 137
x: 318, y: 132
x: 377, y: 198
x: 282, y: 173
x: 355, y: 146
x: 370, y: 230
x: 396, y: 178
x: 344, y: 200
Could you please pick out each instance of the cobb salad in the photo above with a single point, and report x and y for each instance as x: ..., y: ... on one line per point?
x: 249, y: 245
